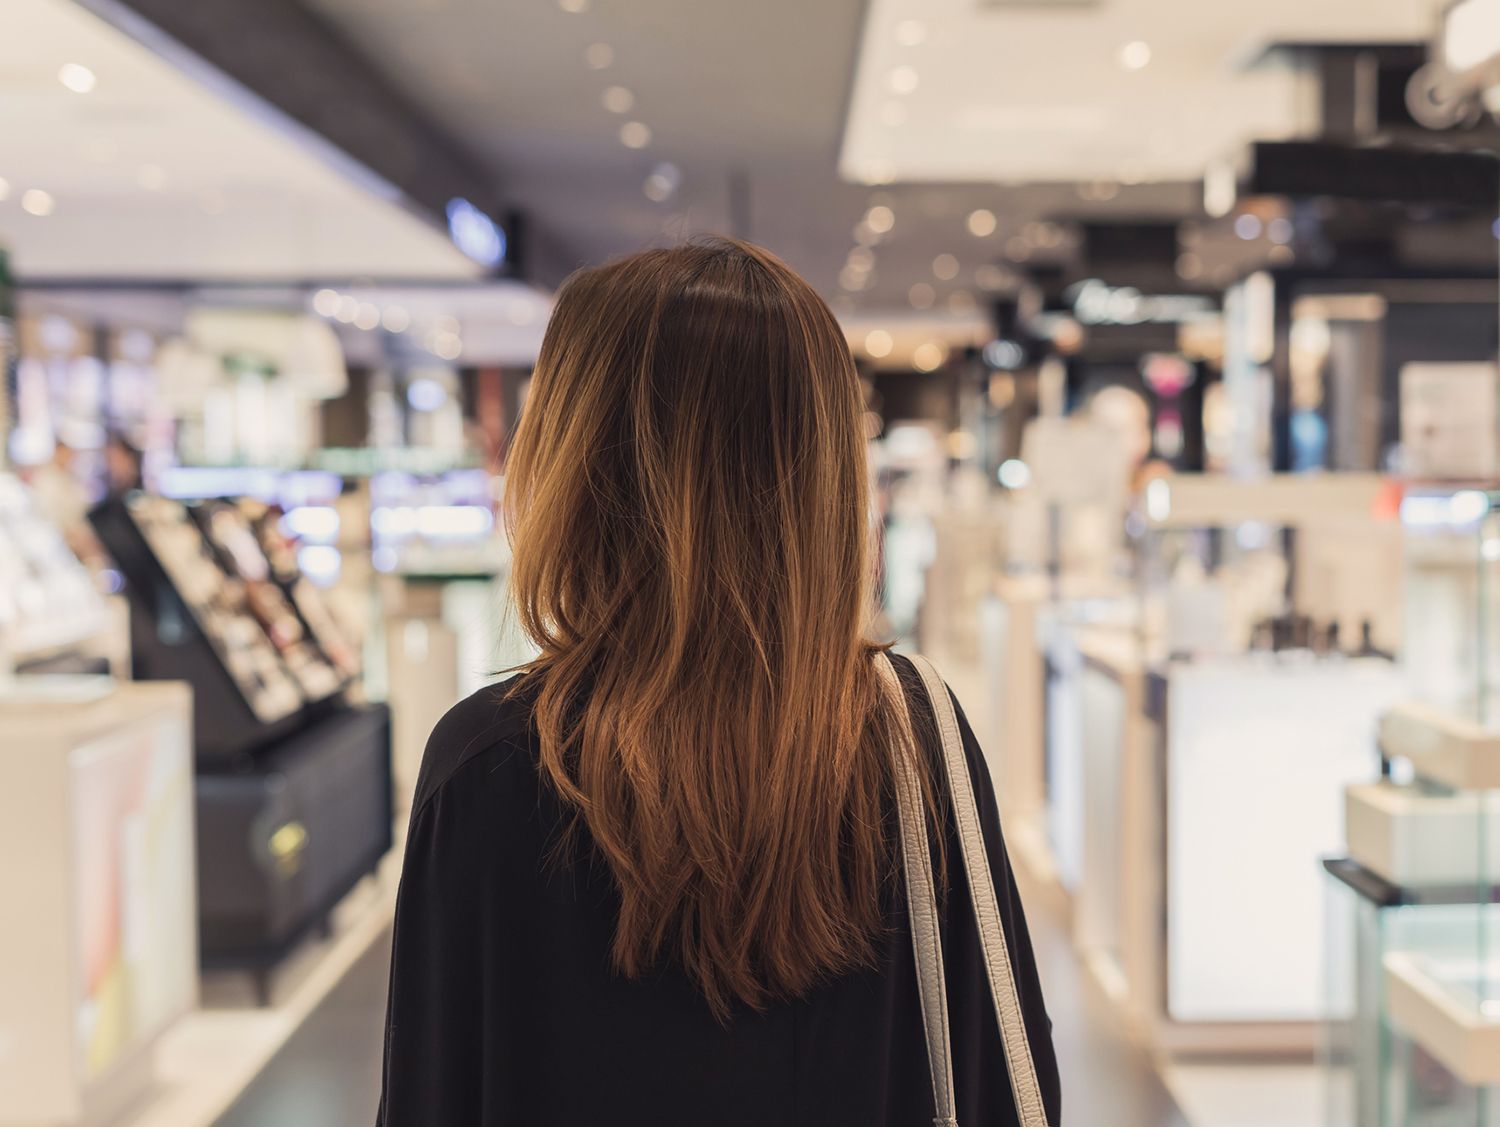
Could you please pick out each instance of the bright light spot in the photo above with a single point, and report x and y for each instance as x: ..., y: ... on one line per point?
x: 318, y: 523
x: 475, y: 233
x: 426, y: 394
x: 395, y: 319
x: 599, y: 56
x: 1135, y: 55
x: 1279, y: 230
x: 36, y: 202
x: 929, y: 357
x: 348, y: 309
x: 1004, y: 354
x: 635, y: 135
x: 1247, y: 226
x: 880, y: 219
x: 1158, y: 500
x: 663, y: 182
x: 862, y: 258
x: 573, y: 6
x: 449, y: 346
x: 911, y: 33
x: 1468, y: 505
x: 151, y: 177
x: 367, y: 316
x: 853, y: 278
x: 945, y: 267
x: 878, y: 343
x: 77, y: 78
x: 320, y: 563
x: 921, y: 296
x: 904, y: 79
x: 618, y: 99
x: 981, y: 223
x: 326, y: 303
x: 1014, y: 474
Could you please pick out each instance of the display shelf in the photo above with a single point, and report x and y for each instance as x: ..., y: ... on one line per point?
x: 48, y: 601
x: 1442, y: 746
x: 206, y: 608
x: 1416, y: 835
x: 1452, y: 1008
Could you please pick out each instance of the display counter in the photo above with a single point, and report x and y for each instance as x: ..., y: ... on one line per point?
x: 99, y: 955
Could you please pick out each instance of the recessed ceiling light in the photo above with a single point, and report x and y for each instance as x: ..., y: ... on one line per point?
x: 366, y: 316
x: 945, y: 267
x: 878, y: 343
x: 1135, y: 55
x: 77, y: 77
x: 921, y: 296
x: 929, y: 356
x: 853, y: 278
x: 617, y: 99
x: 599, y: 56
x: 911, y: 33
x: 862, y: 257
x: 904, y: 79
x: 981, y: 222
x: 326, y: 303
x: 395, y: 319
x: 151, y: 177
x: 635, y: 135
x: 1247, y: 226
x: 663, y: 182
x: 880, y: 219
x: 36, y: 202
x: 347, y: 309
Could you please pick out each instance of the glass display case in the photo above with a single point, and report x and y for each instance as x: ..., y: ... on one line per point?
x: 1413, y: 964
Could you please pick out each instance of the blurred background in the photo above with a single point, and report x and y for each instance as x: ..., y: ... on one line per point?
x: 1177, y: 324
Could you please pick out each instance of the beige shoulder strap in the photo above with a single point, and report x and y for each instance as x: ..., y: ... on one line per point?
x: 927, y: 945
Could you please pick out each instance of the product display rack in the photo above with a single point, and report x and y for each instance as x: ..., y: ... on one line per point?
x: 294, y: 793
x: 1414, y: 1038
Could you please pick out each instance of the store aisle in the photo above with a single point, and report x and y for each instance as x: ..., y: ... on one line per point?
x: 328, y: 1073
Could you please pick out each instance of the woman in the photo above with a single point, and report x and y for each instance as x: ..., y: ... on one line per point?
x: 654, y: 878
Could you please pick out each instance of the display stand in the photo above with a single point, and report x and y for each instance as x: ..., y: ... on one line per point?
x: 294, y: 779
x: 96, y: 812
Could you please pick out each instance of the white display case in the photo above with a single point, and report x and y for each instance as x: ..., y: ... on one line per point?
x: 99, y: 955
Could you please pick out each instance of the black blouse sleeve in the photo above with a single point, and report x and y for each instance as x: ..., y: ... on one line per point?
x: 1013, y: 918
x: 433, y: 1072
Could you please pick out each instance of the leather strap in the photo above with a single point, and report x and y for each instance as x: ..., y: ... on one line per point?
x: 1030, y: 1110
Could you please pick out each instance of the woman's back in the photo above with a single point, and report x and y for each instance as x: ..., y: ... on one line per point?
x: 505, y: 1008
x: 656, y: 879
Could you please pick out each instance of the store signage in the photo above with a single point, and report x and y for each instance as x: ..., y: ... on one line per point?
x: 1096, y: 303
x: 475, y: 233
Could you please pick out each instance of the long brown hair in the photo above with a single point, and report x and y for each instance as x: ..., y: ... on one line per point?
x: 686, y: 496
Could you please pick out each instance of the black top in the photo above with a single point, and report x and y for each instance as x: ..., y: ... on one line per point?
x: 504, y: 1009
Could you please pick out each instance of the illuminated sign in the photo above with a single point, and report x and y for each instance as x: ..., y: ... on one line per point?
x: 475, y: 233
x: 1095, y: 303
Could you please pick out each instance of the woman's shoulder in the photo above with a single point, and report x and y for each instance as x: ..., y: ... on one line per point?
x: 488, y: 730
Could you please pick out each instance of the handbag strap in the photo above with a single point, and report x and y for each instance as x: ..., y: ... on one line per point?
x: 926, y: 941
x: 922, y: 910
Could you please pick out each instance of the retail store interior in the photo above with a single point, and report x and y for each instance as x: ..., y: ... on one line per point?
x: 1178, y: 327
